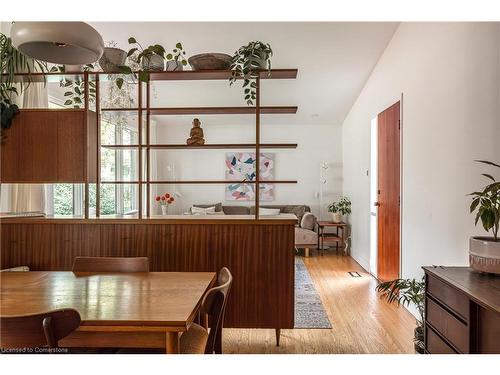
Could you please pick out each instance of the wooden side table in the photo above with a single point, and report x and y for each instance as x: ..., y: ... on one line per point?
x: 331, y: 237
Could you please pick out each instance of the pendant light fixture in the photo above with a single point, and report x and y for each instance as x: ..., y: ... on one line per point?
x: 71, y: 43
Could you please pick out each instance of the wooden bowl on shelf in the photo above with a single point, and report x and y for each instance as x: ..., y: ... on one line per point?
x: 210, y: 61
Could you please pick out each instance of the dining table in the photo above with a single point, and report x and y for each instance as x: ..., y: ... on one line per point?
x: 118, y: 310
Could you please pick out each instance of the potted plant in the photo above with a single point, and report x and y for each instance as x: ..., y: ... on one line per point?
x: 176, y: 59
x: 12, y: 61
x: 112, y: 58
x: 247, y: 62
x: 339, y: 209
x: 165, y: 201
x: 151, y: 58
x: 406, y: 292
x: 484, y: 252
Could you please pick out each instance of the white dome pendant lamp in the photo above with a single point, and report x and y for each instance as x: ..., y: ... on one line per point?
x: 70, y: 43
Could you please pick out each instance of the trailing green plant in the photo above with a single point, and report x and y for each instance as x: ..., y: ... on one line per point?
x: 246, y: 63
x: 12, y: 61
x: 177, y: 54
x: 406, y: 292
x: 75, y: 89
x: 343, y: 206
x: 486, y: 203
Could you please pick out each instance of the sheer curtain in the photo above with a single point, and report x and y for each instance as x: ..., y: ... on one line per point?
x: 26, y: 197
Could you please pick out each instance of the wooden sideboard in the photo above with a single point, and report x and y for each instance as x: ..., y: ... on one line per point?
x: 462, y: 311
x: 259, y: 253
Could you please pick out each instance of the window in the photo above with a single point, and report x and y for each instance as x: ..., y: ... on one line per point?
x: 116, y: 165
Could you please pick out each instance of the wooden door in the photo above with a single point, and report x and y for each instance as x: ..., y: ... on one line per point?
x: 388, y: 201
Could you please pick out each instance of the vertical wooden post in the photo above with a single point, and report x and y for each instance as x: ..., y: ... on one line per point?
x: 148, y: 158
x: 98, y: 141
x: 139, y: 122
x: 257, y: 146
x: 86, y: 107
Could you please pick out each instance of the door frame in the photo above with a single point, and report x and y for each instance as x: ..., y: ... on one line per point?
x: 401, y: 186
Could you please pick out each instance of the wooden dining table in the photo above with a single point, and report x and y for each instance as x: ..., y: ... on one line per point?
x: 118, y: 310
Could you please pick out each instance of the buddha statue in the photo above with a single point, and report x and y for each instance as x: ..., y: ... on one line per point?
x: 196, y: 134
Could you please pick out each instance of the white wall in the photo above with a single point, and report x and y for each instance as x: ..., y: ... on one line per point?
x: 449, y: 75
x: 316, y: 143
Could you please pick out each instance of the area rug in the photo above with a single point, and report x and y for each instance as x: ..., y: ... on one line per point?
x: 309, y: 311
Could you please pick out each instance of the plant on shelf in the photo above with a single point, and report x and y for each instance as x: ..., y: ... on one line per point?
x: 164, y: 201
x: 406, y: 292
x: 246, y: 63
x: 149, y: 58
x: 12, y: 61
x: 176, y: 59
x: 484, y: 252
x: 339, y: 209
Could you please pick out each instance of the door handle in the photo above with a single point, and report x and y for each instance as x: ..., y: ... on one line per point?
x: 377, y: 204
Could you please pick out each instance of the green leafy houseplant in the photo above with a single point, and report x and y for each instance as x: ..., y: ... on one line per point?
x: 486, y: 203
x: 142, y: 56
x: 343, y: 206
x: 405, y: 292
x: 246, y: 63
x: 13, y: 61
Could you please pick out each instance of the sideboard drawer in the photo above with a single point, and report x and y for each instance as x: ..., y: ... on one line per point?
x: 435, y: 345
x: 448, y: 326
x: 449, y: 296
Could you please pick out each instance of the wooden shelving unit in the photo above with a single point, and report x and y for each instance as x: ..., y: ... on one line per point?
x: 144, y: 142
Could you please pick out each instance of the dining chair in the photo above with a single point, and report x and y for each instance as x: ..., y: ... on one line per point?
x: 37, y: 330
x: 197, y: 339
x: 111, y: 264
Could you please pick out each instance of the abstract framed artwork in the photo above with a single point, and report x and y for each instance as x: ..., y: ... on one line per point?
x: 241, y: 166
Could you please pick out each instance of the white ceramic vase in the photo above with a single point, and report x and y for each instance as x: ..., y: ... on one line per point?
x: 484, y: 254
x: 164, y: 209
x: 336, y: 217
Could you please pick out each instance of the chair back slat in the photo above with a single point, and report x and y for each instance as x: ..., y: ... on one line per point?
x: 111, y: 264
x: 214, y: 304
x: 36, y: 330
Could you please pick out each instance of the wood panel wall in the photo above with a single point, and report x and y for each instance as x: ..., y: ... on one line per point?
x: 260, y: 256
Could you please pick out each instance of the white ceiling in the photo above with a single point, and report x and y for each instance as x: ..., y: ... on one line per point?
x: 334, y: 61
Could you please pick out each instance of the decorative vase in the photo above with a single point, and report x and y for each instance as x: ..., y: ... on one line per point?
x: 155, y: 63
x: 484, y: 254
x: 173, y: 65
x: 111, y: 58
x: 164, y: 209
x: 210, y: 61
x: 336, y: 217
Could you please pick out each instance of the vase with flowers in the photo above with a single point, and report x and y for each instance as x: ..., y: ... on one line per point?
x: 165, y: 201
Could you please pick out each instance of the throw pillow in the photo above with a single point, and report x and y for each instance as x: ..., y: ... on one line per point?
x: 308, y: 221
x: 268, y: 211
x: 202, y: 211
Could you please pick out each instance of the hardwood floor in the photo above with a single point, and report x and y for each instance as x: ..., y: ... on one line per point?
x: 362, y: 322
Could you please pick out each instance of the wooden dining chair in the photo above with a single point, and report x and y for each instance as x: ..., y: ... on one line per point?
x: 37, y: 330
x: 197, y: 339
x: 111, y: 264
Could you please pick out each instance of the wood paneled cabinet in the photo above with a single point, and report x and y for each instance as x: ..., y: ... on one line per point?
x: 50, y: 145
x: 462, y: 311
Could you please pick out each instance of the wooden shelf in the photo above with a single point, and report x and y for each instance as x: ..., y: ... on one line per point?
x: 222, y: 146
x: 201, y: 182
x: 185, y: 75
x: 210, y: 110
x: 218, y: 75
x: 223, y: 182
